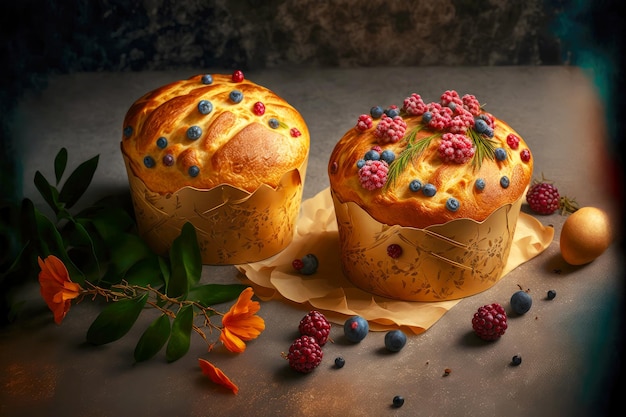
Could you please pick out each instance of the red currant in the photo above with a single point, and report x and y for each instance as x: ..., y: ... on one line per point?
x: 258, y: 108
x: 394, y: 250
x: 295, y: 132
x: 525, y: 155
x: 237, y: 76
x: 297, y: 264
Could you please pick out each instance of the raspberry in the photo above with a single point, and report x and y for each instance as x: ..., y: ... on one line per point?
x: 489, y: 322
x: 441, y: 116
x: 456, y: 148
x: 543, y: 198
x: 305, y: 354
x: 258, y: 108
x: 315, y: 325
x: 390, y: 130
x: 373, y: 174
x: 461, y: 121
x: 525, y: 155
x: 414, y: 105
x: 237, y: 76
x: 512, y: 141
x: 294, y: 132
x: 451, y: 97
x: 471, y: 104
x: 364, y: 122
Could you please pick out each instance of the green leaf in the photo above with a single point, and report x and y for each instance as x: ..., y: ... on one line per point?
x: 110, y: 221
x: 115, y: 320
x: 48, y: 192
x: 127, y: 249
x: 211, y: 294
x: 186, y: 262
x: 180, y: 338
x: 153, y: 339
x: 60, y: 162
x: 145, y: 272
x: 78, y: 182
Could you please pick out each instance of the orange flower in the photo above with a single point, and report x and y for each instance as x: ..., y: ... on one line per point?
x: 240, y: 323
x: 217, y: 375
x: 57, y: 289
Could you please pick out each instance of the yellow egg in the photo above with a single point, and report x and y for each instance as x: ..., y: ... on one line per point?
x: 586, y: 234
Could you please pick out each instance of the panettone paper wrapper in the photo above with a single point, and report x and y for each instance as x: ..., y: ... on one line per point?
x: 329, y: 291
x: 233, y: 226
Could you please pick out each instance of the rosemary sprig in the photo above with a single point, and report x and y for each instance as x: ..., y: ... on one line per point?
x: 413, y: 150
x: 485, y: 147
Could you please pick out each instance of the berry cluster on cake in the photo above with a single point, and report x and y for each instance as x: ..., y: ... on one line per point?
x: 427, y: 196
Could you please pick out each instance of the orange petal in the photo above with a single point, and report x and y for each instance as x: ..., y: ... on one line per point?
x: 216, y: 375
x: 231, y: 341
x: 247, y: 328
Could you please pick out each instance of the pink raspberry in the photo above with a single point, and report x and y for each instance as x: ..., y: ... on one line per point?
x: 471, y: 104
x: 456, y: 148
x: 414, y: 105
x: 512, y: 140
x: 462, y: 120
x: 451, y: 97
x: 441, y: 116
x: 377, y: 148
x: 373, y: 174
x: 364, y: 122
x: 390, y: 130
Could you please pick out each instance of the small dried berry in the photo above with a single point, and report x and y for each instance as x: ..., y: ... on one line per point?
x: 516, y: 360
x: 339, y: 362
x: 551, y: 294
x: 398, y: 401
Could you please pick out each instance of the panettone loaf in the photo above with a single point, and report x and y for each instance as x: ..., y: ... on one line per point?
x: 424, y: 164
x: 210, y: 130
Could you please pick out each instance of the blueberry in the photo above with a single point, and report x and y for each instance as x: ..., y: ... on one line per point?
x: 207, y: 79
x: 398, y: 401
x: 480, y: 184
x: 452, y: 204
x: 452, y: 106
x: 427, y: 117
x: 371, y: 155
x: 161, y: 142
x: 388, y: 156
x: 516, y: 360
x: 360, y: 163
x: 521, y: 302
x: 193, y: 171
x: 551, y: 294
x: 205, y: 106
x: 376, y: 112
x: 395, y: 340
x: 235, y: 96
x: 415, y: 185
x: 500, y: 154
x: 489, y: 132
x: 310, y: 264
x: 504, y: 181
x: 356, y: 328
x: 274, y: 123
x: 194, y: 132
x: 339, y: 362
x: 392, y: 112
x: 128, y: 130
x: 148, y: 161
x: 429, y: 190
x: 481, y: 126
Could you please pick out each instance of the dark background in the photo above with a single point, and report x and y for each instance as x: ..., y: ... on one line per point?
x: 40, y: 38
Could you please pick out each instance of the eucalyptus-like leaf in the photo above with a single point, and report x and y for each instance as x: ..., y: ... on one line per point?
x: 126, y: 249
x: 48, y: 192
x: 60, y: 162
x: 186, y: 262
x: 115, y: 320
x: 153, y: 339
x: 180, y: 337
x: 85, y: 238
x: 78, y: 182
x: 210, y: 294
x: 110, y: 221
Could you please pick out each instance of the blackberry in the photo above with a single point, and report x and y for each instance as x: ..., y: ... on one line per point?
x: 315, y: 325
x: 489, y: 322
x: 305, y: 354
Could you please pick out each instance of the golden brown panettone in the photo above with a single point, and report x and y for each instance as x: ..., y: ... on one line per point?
x: 423, y: 164
x: 210, y: 130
